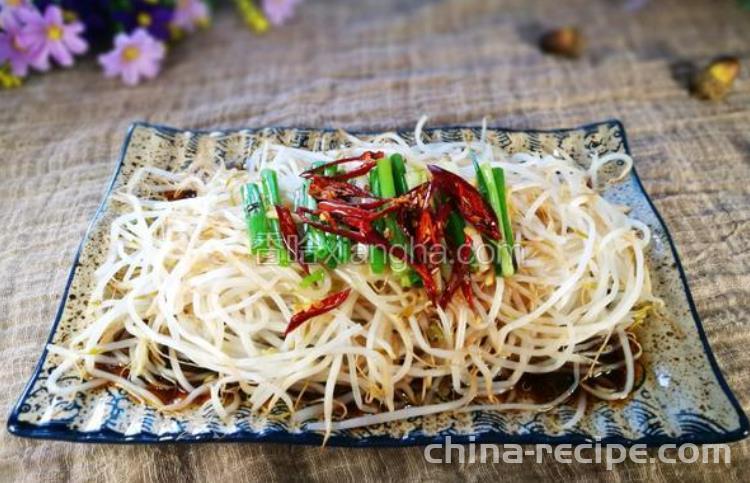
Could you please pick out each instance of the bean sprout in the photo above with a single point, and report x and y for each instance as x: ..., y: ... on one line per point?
x: 179, y: 303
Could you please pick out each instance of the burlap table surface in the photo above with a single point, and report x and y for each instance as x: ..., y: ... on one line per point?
x: 378, y: 65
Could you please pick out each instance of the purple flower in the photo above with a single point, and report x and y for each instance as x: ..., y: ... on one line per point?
x: 190, y: 13
x: 146, y: 14
x: 8, y: 6
x: 45, y: 36
x: 96, y: 15
x: 135, y: 55
x: 11, y: 50
x: 279, y: 11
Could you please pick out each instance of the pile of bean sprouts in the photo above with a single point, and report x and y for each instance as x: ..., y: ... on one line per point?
x: 180, y: 303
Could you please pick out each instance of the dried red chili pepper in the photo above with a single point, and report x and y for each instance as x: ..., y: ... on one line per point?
x: 361, y: 233
x: 326, y: 188
x: 368, y: 157
x: 336, y: 211
x: 410, y: 208
x: 317, y: 308
x: 469, y: 202
x: 290, y: 235
x: 346, y: 210
x: 426, y: 275
x: 441, y: 219
x: 453, y: 283
x: 426, y: 229
x: 425, y: 238
x: 407, y: 208
x: 468, y: 294
x: 417, y: 197
x: 459, y: 274
x: 362, y: 170
x: 464, y: 255
x: 369, y: 205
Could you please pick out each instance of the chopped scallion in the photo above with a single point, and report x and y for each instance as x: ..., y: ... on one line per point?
x: 397, y: 237
x: 315, y: 277
x: 271, y: 198
x: 377, y: 255
x: 255, y: 218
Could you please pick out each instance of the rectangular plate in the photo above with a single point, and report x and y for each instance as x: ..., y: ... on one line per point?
x: 684, y: 397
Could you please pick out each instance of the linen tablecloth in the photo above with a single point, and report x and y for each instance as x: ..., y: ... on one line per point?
x: 373, y: 65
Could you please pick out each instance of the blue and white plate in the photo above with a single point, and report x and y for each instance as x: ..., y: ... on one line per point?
x: 683, y: 398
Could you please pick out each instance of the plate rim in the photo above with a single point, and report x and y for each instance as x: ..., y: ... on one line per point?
x: 60, y: 432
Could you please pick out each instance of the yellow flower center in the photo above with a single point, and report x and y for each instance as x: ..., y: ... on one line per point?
x: 144, y: 19
x: 130, y: 53
x: 13, y: 3
x: 54, y: 32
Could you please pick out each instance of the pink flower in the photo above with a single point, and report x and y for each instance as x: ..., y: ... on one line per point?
x: 190, y: 13
x: 45, y: 36
x: 135, y: 55
x: 11, y: 50
x: 279, y: 11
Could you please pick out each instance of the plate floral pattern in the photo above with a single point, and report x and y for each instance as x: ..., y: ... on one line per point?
x: 683, y: 398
